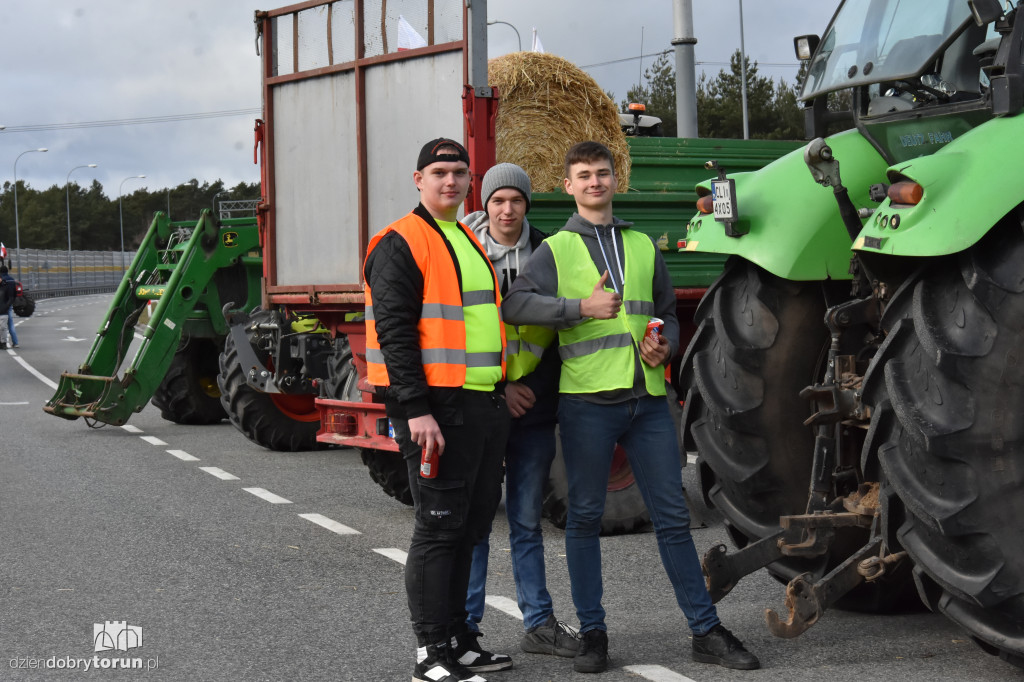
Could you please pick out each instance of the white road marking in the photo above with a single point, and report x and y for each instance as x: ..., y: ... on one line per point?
x: 393, y: 554
x: 219, y: 473
x: 33, y: 371
x: 505, y: 605
x: 656, y: 673
x: 183, y: 456
x: 152, y: 440
x: 25, y: 402
x: 71, y: 338
x: 267, y: 495
x: 330, y: 524
x: 131, y: 429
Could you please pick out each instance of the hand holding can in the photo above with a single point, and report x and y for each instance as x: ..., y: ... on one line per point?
x: 428, y: 463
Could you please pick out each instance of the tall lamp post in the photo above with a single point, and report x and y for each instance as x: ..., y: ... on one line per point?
x: 213, y: 203
x: 17, y: 232
x: 67, y: 191
x: 491, y: 23
x: 120, y: 212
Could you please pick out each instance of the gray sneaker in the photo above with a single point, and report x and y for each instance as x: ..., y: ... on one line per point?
x: 551, y: 638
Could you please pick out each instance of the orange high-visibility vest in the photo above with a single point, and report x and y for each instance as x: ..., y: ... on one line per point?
x: 442, y: 327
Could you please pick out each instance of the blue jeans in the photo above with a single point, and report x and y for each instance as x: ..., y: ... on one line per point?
x: 645, y: 429
x: 10, y: 325
x: 531, y: 449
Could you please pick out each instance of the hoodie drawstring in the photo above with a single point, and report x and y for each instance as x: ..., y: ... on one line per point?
x: 618, y: 263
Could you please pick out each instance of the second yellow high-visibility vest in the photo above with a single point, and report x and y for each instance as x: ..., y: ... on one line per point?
x: 600, y: 355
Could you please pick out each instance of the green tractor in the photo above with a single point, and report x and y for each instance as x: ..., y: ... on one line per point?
x: 856, y: 384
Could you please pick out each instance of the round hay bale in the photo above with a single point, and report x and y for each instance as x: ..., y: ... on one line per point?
x: 547, y: 105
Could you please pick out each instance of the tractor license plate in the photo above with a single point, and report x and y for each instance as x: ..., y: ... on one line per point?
x: 724, y: 192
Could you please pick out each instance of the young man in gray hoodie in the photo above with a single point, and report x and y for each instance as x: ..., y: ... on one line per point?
x: 532, y: 396
x: 598, y: 283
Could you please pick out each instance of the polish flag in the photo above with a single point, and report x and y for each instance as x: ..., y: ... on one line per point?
x: 537, y: 47
x: 408, y: 38
x: 3, y: 251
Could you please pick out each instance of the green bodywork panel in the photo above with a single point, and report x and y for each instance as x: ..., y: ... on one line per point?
x: 967, y: 189
x: 793, y: 228
x: 190, y: 269
x: 662, y: 195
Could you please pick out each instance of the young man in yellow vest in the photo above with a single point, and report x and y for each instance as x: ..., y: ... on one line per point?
x: 598, y: 283
x: 435, y: 349
x: 532, y: 368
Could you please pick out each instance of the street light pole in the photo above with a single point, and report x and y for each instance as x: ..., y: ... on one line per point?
x: 743, y: 76
x: 17, y: 232
x: 67, y: 191
x: 120, y: 212
x: 213, y: 203
x: 491, y: 23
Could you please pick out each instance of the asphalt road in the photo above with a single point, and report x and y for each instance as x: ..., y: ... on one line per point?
x: 165, y: 527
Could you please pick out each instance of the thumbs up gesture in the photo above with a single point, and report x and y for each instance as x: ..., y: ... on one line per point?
x: 601, y: 304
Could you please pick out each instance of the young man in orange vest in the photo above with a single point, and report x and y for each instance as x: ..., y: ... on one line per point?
x: 435, y: 349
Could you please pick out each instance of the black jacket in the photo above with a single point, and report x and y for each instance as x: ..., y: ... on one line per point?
x: 397, y: 285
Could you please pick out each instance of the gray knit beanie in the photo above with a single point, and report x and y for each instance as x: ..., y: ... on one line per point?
x: 505, y: 175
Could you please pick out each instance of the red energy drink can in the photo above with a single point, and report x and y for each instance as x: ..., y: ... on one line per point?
x: 654, y: 328
x: 428, y: 464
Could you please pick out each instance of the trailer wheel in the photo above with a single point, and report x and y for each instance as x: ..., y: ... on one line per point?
x: 950, y: 439
x: 277, y: 421
x: 389, y: 471
x: 760, y: 340
x: 24, y: 306
x: 189, y: 393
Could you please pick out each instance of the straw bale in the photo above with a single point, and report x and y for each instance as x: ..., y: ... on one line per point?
x: 547, y: 105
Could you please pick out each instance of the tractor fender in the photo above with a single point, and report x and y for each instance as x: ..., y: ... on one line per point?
x: 793, y: 227
x: 969, y: 185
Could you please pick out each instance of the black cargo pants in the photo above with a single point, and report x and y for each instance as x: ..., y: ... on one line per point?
x: 453, y: 511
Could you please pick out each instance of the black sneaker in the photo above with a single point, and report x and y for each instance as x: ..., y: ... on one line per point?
x: 719, y: 646
x: 467, y: 652
x: 435, y: 665
x: 551, y: 638
x: 592, y: 656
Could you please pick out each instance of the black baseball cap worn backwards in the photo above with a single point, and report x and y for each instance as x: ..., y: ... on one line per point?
x: 429, y: 154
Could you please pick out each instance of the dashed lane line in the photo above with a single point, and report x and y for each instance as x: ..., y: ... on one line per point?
x: 330, y: 524
x: 267, y: 495
x: 657, y: 673
x: 393, y: 554
x: 505, y: 605
x: 152, y: 440
x: 222, y: 475
x: 185, y: 457
x: 131, y: 429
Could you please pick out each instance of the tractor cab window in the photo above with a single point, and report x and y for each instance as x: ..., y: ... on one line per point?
x: 873, y: 41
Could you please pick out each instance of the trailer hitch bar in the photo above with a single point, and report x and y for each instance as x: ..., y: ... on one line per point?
x: 802, y: 535
x: 806, y: 601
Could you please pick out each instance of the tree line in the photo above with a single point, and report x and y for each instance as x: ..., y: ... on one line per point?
x: 773, y: 111
x: 96, y: 218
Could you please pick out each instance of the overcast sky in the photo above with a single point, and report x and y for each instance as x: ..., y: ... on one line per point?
x: 87, y: 61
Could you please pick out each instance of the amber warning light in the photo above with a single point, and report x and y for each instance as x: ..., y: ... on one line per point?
x: 906, y: 192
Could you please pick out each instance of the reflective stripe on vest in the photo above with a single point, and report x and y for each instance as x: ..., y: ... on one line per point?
x: 442, y: 323
x: 601, y: 355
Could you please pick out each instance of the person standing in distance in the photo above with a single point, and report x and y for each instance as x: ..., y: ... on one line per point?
x: 532, y: 396
x: 8, y: 292
x: 435, y: 349
x: 598, y: 283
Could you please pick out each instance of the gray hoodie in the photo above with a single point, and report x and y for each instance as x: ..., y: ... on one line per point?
x: 532, y: 298
x: 505, y: 259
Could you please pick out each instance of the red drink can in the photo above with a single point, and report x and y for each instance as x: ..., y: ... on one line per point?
x: 654, y: 328
x: 428, y: 464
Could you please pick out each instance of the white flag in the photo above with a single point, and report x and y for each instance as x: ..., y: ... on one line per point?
x: 408, y: 38
x: 537, y: 47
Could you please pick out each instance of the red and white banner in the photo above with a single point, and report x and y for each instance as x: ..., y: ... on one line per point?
x: 3, y: 251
